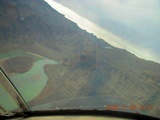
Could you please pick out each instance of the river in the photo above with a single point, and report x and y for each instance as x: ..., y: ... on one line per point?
x: 30, y: 83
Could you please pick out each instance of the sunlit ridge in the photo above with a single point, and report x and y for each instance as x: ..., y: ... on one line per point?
x: 109, y: 37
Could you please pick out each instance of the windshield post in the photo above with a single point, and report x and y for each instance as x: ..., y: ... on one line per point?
x: 13, y: 92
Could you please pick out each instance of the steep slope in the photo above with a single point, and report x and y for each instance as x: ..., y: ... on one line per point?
x: 89, y: 66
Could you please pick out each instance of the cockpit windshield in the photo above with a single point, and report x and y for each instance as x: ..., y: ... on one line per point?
x: 80, y: 54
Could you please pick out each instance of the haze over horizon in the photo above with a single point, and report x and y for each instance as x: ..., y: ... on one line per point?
x: 134, y: 32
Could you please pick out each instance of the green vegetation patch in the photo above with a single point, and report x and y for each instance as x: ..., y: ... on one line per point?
x: 16, y: 53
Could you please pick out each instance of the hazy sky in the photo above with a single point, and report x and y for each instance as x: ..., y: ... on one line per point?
x: 137, y: 21
x: 134, y: 13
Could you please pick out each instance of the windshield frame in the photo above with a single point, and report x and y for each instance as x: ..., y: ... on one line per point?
x: 14, y: 94
x: 78, y: 112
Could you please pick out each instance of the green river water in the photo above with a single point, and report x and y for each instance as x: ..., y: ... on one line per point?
x: 29, y: 84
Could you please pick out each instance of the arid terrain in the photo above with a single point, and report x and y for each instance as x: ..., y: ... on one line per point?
x: 87, y: 66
